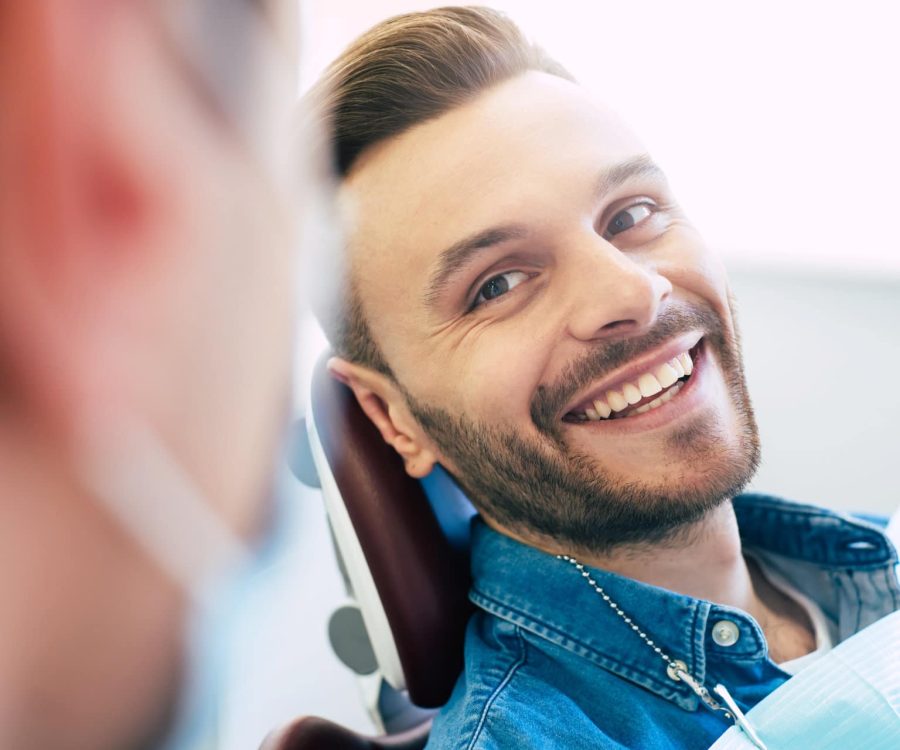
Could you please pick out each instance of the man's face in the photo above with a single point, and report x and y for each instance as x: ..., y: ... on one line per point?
x: 538, y: 295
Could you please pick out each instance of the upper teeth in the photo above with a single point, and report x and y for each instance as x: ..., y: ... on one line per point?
x: 648, y: 384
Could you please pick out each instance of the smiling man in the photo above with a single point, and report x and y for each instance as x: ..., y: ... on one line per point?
x: 524, y: 302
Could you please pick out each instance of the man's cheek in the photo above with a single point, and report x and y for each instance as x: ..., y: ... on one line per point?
x: 702, y: 280
x: 494, y: 394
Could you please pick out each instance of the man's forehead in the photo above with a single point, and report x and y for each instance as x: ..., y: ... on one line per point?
x: 491, y: 161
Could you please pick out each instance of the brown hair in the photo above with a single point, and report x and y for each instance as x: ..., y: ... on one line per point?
x: 403, y: 72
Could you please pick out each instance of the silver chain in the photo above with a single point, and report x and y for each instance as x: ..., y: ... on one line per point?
x: 676, y: 669
x: 618, y: 610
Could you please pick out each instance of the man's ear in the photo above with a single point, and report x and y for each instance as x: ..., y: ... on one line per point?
x: 383, y: 403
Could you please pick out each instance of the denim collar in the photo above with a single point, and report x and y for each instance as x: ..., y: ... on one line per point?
x: 547, y: 597
x: 815, y: 535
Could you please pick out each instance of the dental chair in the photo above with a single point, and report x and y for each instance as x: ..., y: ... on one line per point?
x: 402, y: 547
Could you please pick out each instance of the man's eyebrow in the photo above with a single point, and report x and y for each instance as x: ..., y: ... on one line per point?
x: 459, y: 255
x: 640, y: 166
x: 456, y: 257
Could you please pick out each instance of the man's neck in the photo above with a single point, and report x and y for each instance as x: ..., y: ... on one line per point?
x: 706, y: 561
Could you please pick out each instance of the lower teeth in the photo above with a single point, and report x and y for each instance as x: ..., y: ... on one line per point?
x: 655, y: 404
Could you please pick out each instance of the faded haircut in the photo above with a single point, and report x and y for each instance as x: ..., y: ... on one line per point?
x: 403, y: 72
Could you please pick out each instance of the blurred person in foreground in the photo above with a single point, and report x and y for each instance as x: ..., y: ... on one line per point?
x: 146, y: 325
x: 524, y: 302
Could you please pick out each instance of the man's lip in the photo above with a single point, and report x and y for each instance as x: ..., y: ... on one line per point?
x: 634, y: 369
x: 693, y: 394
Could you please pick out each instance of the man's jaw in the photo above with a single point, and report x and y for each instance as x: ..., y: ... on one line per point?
x: 640, y: 387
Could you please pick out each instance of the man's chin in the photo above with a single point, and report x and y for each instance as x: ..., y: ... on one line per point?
x: 649, y: 494
x: 603, y: 494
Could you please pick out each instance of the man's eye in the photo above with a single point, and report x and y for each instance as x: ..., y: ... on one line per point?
x: 498, y: 286
x: 627, y: 218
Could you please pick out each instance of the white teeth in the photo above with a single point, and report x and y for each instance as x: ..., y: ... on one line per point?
x: 616, y: 400
x: 654, y: 404
x: 669, y: 394
x: 632, y: 394
x: 666, y: 375
x: 649, y: 385
x: 602, y: 408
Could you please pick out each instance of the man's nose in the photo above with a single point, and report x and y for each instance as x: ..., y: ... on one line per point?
x: 613, y: 292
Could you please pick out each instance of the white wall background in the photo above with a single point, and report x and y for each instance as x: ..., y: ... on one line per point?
x: 779, y: 126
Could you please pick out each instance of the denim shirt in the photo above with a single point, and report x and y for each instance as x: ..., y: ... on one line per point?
x: 548, y: 664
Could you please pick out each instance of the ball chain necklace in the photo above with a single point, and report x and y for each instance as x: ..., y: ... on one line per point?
x: 676, y: 669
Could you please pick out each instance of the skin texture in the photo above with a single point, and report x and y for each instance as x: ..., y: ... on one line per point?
x: 145, y: 275
x: 482, y: 388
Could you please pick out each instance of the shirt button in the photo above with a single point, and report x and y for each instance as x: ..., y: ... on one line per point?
x: 725, y: 633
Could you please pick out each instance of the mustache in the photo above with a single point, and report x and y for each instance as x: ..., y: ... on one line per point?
x: 606, y: 357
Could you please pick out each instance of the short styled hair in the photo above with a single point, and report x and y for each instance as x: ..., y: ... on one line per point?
x: 404, y: 72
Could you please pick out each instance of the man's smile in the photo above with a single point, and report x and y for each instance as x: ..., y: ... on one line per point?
x: 642, y: 386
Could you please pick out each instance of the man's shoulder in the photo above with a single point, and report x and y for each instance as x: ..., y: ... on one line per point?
x: 520, y: 713
x: 502, y: 701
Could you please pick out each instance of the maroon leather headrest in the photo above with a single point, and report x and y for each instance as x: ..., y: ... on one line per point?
x: 421, y: 579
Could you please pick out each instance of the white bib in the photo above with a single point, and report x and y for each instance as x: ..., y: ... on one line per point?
x: 849, y: 698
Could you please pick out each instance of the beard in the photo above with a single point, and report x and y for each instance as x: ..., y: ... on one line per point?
x: 541, y: 487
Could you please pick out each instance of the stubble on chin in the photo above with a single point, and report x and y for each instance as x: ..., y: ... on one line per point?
x: 540, y: 487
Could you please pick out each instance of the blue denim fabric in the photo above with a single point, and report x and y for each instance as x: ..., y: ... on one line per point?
x: 548, y: 664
